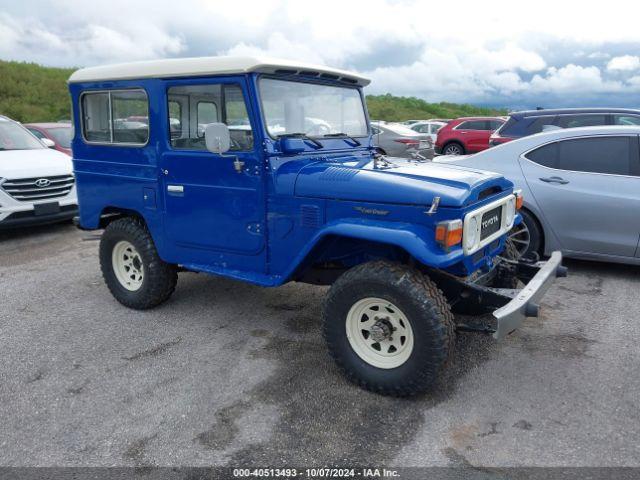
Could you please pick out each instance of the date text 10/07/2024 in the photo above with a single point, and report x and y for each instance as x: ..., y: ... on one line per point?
x: 315, y: 473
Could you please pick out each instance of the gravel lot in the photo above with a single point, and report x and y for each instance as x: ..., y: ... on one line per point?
x: 230, y: 374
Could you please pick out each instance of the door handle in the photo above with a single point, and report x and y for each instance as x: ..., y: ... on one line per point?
x: 175, y: 188
x: 558, y: 180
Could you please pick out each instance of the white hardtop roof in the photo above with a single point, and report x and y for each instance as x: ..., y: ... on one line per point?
x: 206, y: 66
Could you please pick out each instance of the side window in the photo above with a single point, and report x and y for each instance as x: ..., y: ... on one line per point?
x: 573, y: 121
x: 546, y: 155
x: 175, y: 118
x: 473, y: 125
x: 207, y: 113
x: 193, y: 107
x: 117, y: 116
x: 538, y: 125
x: 494, y: 125
x: 96, y: 117
x: 130, y: 117
x: 37, y: 133
x: 613, y: 155
x: 435, y: 128
x: 237, y: 117
x: 626, y: 120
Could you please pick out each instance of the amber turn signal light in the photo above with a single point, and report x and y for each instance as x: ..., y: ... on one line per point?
x: 449, y: 233
x: 519, y: 199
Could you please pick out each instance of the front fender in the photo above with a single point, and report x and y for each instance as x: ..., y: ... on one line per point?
x: 417, y: 240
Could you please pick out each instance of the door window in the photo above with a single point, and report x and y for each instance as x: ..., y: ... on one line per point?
x: 626, y: 120
x: 474, y: 125
x: 573, y: 121
x: 610, y: 155
x: 193, y: 107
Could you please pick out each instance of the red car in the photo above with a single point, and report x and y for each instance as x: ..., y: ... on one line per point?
x: 58, y: 133
x: 466, y: 135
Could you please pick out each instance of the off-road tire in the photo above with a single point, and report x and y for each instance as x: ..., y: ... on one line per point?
x: 425, y: 307
x: 160, y: 278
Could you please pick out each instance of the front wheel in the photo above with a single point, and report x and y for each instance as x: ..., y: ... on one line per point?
x: 389, y: 328
x: 131, y: 266
x: 527, y: 236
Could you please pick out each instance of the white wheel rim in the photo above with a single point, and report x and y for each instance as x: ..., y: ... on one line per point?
x: 127, y: 265
x: 364, y: 322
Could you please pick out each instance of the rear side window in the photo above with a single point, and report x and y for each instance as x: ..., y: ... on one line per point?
x: 474, y: 125
x: 537, y: 125
x: 573, y: 121
x: 610, y: 155
x: 626, y: 120
x: 509, y: 127
x: 116, y: 117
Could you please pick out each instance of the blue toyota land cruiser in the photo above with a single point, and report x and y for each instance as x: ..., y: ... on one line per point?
x: 264, y: 171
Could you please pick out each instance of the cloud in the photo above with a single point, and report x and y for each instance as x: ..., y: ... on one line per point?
x: 494, y: 56
x: 624, y: 63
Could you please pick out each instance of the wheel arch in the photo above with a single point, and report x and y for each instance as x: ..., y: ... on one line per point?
x: 111, y: 213
x: 353, y: 243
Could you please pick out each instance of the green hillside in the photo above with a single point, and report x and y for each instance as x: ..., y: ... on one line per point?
x: 32, y: 93
x: 397, y: 109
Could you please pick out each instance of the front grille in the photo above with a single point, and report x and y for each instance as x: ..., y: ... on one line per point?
x: 27, y: 189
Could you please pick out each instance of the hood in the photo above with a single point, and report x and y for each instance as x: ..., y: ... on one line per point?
x: 44, y: 162
x: 405, y: 182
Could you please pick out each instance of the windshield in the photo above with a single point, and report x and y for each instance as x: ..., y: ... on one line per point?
x: 61, y: 135
x: 14, y: 137
x: 315, y: 110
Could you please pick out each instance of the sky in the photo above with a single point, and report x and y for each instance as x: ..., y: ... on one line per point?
x: 511, y: 54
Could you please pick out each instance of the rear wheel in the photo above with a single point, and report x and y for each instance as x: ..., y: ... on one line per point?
x: 389, y: 328
x: 453, y: 149
x: 131, y: 267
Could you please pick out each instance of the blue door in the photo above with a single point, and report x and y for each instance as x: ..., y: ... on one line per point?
x: 214, y: 211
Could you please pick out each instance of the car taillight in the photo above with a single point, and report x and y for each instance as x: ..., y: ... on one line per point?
x: 409, y: 142
x: 449, y: 233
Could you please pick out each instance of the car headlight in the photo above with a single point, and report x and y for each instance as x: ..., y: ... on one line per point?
x: 471, y: 233
x: 511, y: 210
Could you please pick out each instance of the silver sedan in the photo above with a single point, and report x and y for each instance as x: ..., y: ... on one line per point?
x: 581, y: 190
x: 397, y: 140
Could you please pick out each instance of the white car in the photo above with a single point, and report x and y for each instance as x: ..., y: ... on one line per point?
x: 37, y: 184
x: 429, y: 127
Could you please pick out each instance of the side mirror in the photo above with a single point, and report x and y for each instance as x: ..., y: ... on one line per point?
x: 48, y: 142
x: 217, y: 138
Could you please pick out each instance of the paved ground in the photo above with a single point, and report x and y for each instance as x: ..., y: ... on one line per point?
x: 227, y: 373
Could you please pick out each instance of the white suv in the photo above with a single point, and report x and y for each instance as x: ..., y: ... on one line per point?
x: 36, y: 183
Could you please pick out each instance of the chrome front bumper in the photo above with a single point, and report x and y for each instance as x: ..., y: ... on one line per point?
x: 526, y: 302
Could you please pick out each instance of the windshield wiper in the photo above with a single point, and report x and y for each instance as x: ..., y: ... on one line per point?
x: 342, y: 135
x: 303, y: 136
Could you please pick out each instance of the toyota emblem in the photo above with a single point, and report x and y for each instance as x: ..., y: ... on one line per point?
x: 43, y: 182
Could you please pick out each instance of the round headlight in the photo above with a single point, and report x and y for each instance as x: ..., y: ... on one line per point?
x: 511, y: 210
x: 471, y: 233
